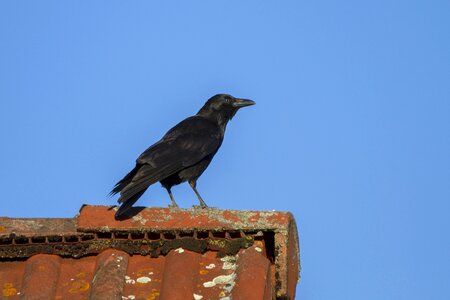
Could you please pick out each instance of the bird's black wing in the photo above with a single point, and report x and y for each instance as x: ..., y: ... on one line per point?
x: 184, y: 145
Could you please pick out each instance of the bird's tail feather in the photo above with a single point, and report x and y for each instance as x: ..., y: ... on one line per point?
x: 127, y: 204
x: 146, y: 176
x: 124, y: 181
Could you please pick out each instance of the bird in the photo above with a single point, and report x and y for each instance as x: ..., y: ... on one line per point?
x: 181, y: 155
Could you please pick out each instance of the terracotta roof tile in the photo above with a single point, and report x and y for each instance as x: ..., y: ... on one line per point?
x: 158, y: 254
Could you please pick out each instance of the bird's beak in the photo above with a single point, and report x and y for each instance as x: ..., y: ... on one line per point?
x: 238, y: 103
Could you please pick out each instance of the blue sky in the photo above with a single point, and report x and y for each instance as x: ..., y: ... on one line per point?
x: 351, y: 131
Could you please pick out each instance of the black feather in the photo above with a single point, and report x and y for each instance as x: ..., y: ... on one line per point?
x: 120, y: 214
x: 125, y: 181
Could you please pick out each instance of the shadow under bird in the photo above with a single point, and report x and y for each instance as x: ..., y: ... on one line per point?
x: 183, y: 153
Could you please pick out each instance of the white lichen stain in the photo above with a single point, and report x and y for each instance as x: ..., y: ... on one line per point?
x: 229, y: 266
x: 225, y: 298
x: 210, y: 266
x: 198, y: 297
x: 139, y: 219
x: 229, y: 262
x: 144, y: 279
x: 179, y: 250
x: 129, y: 280
x: 229, y: 258
x: 229, y: 287
x: 258, y: 249
x: 224, y: 279
x: 208, y: 284
x: 221, y: 279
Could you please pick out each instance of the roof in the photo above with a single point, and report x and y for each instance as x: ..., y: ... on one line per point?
x: 160, y: 253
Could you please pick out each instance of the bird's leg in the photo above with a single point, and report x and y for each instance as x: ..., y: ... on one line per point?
x: 193, y: 184
x: 174, y: 204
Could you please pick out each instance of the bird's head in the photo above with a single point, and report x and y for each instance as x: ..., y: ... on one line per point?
x: 223, y: 107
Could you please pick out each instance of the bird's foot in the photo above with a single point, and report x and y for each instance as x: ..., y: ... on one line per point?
x: 202, y: 203
x: 173, y: 205
x: 199, y: 206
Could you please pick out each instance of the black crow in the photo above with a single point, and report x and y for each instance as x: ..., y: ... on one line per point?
x: 183, y: 153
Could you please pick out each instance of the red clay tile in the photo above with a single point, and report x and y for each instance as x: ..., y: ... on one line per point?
x: 11, y: 274
x: 254, y: 278
x: 109, y: 277
x: 41, y: 276
x: 38, y: 226
x: 144, y: 277
x: 179, y: 274
x: 101, y: 218
x: 293, y: 261
x: 288, y: 265
x: 159, y: 254
x: 75, y: 278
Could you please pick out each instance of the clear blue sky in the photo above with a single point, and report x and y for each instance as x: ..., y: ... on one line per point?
x: 351, y: 131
